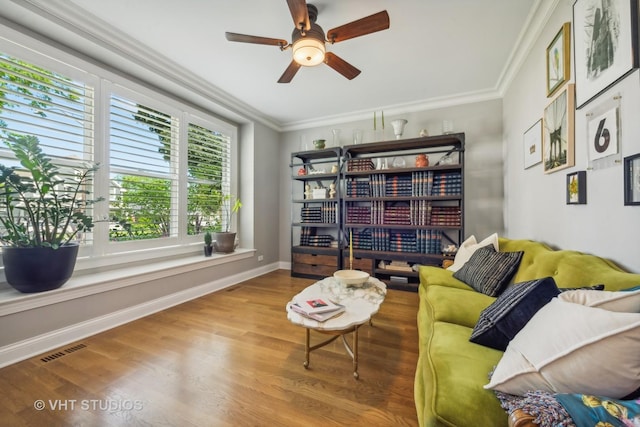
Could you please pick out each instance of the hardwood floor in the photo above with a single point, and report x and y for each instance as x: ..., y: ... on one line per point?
x: 230, y: 358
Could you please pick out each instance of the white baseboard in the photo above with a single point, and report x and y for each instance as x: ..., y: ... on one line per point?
x: 22, y: 350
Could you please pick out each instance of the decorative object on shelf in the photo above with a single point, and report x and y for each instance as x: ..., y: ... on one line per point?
x: 336, y: 137
x: 375, y: 126
x: 307, y: 192
x: 605, y: 46
x: 44, y: 208
x: 319, y: 193
x: 632, y: 180
x: 225, y: 241
x: 319, y: 144
x: 423, y: 133
x: 447, y: 127
x: 319, y: 171
x: 302, y: 172
x: 332, y: 191
x: 398, y: 162
x: 334, y: 169
x: 449, y: 250
x: 447, y: 159
x: 558, y: 136
x: 398, y: 127
x: 558, y: 62
x: 357, y: 136
x: 422, y: 160
x: 208, y: 244
x: 532, y: 145
x: 577, y: 188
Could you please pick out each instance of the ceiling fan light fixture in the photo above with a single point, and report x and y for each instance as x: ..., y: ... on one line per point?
x: 308, y: 51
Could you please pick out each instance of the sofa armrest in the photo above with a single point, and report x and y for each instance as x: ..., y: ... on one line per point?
x: 430, y: 275
x: 519, y: 418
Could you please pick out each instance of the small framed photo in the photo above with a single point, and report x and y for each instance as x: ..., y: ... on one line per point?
x: 532, y: 145
x: 558, y: 134
x: 577, y: 188
x: 632, y: 180
x: 558, y: 59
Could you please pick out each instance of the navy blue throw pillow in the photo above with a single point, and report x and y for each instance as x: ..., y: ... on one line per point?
x: 510, y: 312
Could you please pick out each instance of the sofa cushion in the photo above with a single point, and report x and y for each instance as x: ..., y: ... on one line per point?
x: 503, y: 319
x: 455, y: 305
x: 570, y: 348
x: 590, y: 410
x: 455, y: 395
x: 467, y: 249
x: 488, y: 271
x: 623, y: 301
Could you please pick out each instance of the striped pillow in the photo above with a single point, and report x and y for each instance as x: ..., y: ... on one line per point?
x: 502, y: 320
x: 488, y: 271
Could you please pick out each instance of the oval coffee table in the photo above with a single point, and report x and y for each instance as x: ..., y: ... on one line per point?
x: 360, y: 304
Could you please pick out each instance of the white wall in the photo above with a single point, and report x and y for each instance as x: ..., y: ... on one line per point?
x: 535, y: 206
x: 482, y: 124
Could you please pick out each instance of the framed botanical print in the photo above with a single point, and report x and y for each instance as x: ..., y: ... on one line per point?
x: 632, y: 180
x: 558, y: 62
x: 605, y: 34
x: 532, y: 145
x: 558, y: 131
x: 577, y: 188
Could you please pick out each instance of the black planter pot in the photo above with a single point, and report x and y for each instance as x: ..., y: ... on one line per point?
x: 208, y: 250
x: 32, y: 270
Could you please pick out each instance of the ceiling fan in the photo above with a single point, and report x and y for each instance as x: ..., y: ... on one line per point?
x: 308, y: 39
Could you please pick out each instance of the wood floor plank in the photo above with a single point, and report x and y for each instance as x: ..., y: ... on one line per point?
x: 230, y: 358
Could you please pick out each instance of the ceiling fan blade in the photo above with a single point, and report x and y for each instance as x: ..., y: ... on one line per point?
x: 243, y: 38
x: 299, y: 13
x: 290, y: 72
x: 370, y: 24
x: 341, y: 66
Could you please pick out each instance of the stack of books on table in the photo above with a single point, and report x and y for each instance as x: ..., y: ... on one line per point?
x: 317, y: 308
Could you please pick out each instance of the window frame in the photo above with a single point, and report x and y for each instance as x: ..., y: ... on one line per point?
x: 102, y: 253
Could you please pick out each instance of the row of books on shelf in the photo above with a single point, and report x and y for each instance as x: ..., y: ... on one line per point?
x: 308, y: 237
x: 417, y: 212
x: 418, y: 184
x: 357, y: 165
x: 317, y: 308
x: 418, y: 241
x: 325, y: 213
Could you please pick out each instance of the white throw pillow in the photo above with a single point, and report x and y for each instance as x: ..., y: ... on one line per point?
x: 622, y: 301
x: 468, y: 247
x: 570, y: 348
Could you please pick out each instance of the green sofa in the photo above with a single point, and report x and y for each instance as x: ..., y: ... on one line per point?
x: 451, y: 370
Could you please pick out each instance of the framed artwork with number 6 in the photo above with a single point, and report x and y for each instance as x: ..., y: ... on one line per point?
x: 602, y: 134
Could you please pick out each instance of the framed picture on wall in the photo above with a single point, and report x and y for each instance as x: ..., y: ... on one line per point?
x: 558, y: 62
x: 606, y: 44
x: 532, y: 145
x: 632, y: 180
x: 577, y: 188
x: 558, y: 131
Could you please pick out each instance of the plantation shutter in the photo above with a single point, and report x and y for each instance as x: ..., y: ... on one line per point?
x: 209, y: 172
x: 143, y: 172
x: 56, y: 109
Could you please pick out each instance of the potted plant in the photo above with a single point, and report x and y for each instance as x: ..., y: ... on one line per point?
x: 42, y: 211
x: 208, y: 244
x: 225, y: 240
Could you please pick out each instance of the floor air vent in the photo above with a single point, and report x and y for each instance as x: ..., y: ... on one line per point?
x: 59, y: 354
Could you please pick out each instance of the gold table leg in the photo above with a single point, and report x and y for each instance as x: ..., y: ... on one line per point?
x: 353, y: 351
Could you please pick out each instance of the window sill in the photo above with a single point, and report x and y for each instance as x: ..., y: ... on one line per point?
x: 81, y: 285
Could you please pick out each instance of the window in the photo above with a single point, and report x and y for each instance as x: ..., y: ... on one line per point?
x: 164, y: 166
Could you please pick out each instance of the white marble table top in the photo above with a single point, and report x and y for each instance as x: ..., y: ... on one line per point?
x: 361, y: 303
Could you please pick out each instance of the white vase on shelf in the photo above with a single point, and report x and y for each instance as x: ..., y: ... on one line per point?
x: 398, y: 127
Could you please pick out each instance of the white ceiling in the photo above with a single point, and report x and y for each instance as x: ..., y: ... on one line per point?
x: 434, y: 50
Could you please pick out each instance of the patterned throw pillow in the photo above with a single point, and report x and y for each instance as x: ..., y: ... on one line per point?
x: 488, y: 271
x: 600, y: 411
x: 508, y: 314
